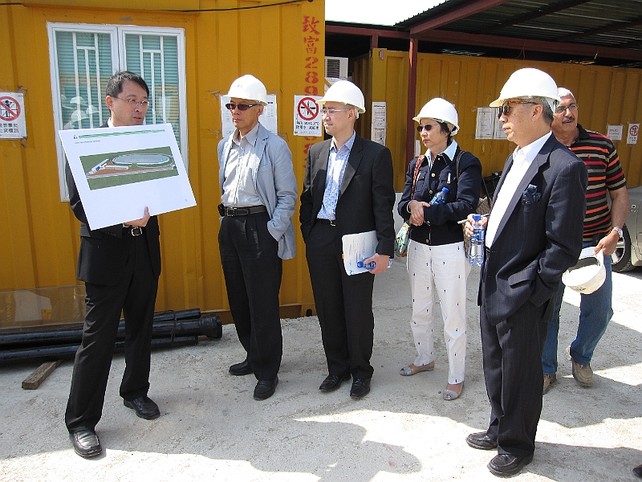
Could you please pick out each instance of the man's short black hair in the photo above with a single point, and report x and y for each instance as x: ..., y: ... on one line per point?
x: 116, y: 81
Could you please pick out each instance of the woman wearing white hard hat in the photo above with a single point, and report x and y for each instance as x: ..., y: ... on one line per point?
x: 437, y: 264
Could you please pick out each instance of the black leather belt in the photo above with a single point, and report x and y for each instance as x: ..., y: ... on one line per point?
x: 245, y: 211
x: 331, y: 222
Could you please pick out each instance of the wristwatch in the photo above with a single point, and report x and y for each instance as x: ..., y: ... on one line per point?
x: 619, y: 231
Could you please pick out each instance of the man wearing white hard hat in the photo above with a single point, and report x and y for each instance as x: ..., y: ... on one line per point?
x: 607, y: 206
x: 347, y: 189
x: 534, y: 233
x: 437, y: 265
x: 258, y: 196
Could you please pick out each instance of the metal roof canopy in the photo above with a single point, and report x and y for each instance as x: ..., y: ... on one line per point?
x: 594, y: 31
x: 597, y: 32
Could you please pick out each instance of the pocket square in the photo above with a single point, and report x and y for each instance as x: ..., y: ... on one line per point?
x: 530, y: 195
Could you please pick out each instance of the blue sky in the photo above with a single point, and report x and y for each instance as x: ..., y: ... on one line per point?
x: 376, y: 12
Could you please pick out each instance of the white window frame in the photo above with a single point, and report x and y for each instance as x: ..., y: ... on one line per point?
x: 119, y: 62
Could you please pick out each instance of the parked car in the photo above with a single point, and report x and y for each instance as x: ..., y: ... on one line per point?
x: 628, y: 253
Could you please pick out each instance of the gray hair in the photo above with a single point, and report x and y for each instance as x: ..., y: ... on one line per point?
x: 547, y: 103
x: 564, y: 92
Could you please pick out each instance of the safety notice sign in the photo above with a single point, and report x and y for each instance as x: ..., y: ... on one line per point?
x: 12, y: 116
x: 307, y: 116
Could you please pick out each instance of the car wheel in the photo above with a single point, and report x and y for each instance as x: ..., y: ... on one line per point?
x: 621, y: 258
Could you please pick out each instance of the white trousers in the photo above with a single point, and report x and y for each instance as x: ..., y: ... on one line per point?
x: 438, y: 274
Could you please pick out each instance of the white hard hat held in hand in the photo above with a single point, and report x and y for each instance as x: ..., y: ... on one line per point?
x: 588, y: 274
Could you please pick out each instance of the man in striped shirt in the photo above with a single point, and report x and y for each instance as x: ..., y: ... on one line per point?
x: 602, y: 229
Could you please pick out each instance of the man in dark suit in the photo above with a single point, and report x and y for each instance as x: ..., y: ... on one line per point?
x: 534, y: 234
x: 347, y: 189
x: 120, y: 266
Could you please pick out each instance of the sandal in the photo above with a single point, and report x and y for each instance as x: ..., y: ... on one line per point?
x: 450, y: 395
x: 413, y: 369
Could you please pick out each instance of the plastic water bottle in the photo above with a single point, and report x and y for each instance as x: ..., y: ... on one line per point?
x: 371, y: 264
x: 476, y: 243
x: 440, y: 197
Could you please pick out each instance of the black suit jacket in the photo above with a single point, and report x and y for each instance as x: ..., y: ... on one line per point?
x: 367, y: 195
x: 103, y: 252
x: 540, y: 235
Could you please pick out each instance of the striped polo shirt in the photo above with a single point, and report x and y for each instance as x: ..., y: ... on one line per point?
x: 604, y: 174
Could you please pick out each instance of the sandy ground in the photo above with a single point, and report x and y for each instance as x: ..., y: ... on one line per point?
x: 212, y: 429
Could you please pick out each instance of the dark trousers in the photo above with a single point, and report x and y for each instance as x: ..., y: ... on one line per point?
x: 511, y: 353
x: 253, y: 269
x: 135, y: 296
x: 343, y: 303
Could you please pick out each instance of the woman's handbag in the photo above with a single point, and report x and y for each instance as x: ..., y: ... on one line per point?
x: 402, y: 239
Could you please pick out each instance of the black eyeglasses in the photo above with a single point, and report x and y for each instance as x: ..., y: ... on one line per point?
x: 506, y: 108
x: 427, y: 127
x: 241, y: 107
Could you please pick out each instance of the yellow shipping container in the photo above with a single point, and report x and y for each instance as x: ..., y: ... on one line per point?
x: 282, y: 43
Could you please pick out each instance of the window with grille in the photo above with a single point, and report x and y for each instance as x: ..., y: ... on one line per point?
x: 83, y: 57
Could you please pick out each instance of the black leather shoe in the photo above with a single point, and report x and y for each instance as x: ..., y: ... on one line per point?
x: 505, y: 465
x: 144, y: 407
x: 265, y: 389
x: 332, y: 382
x: 481, y: 441
x: 240, y: 369
x: 360, y: 388
x: 86, y: 443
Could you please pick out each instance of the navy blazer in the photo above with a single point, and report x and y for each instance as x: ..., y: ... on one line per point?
x: 539, y: 237
x: 463, y: 196
x: 366, y: 198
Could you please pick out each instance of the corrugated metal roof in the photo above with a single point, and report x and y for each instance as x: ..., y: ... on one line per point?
x: 609, y: 32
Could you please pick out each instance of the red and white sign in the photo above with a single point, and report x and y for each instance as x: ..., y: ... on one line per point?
x: 307, y: 115
x: 12, y: 117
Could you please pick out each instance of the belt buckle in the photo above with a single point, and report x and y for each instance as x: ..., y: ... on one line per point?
x: 136, y: 231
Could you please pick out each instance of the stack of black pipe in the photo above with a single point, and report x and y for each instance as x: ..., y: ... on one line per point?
x: 170, y: 329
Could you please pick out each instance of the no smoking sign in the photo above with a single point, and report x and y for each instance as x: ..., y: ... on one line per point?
x: 308, y: 108
x: 307, y: 115
x: 9, y: 108
x: 12, y: 116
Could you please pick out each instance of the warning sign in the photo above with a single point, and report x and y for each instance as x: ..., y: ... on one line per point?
x: 632, y: 137
x: 307, y: 116
x: 12, y: 118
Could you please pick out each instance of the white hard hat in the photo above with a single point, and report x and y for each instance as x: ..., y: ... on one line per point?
x: 588, y: 274
x: 250, y: 88
x: 528, y: 82
x: 442, y: 111
x: 346, y: 92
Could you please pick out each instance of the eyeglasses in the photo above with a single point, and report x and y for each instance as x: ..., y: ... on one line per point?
x: 506, y: 108
x: 144, y: 104
x: 427, y: 127
x: 332, y: 110
x: 241, y: 107
x: 560, y: 109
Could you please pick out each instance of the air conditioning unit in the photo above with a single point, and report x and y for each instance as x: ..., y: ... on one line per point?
x: 336, y: 68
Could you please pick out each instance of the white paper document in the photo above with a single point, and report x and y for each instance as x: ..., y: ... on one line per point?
x: 357, y: 247
x: 119, y: 171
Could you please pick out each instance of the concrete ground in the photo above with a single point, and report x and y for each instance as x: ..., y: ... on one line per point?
x: 212, y: 429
